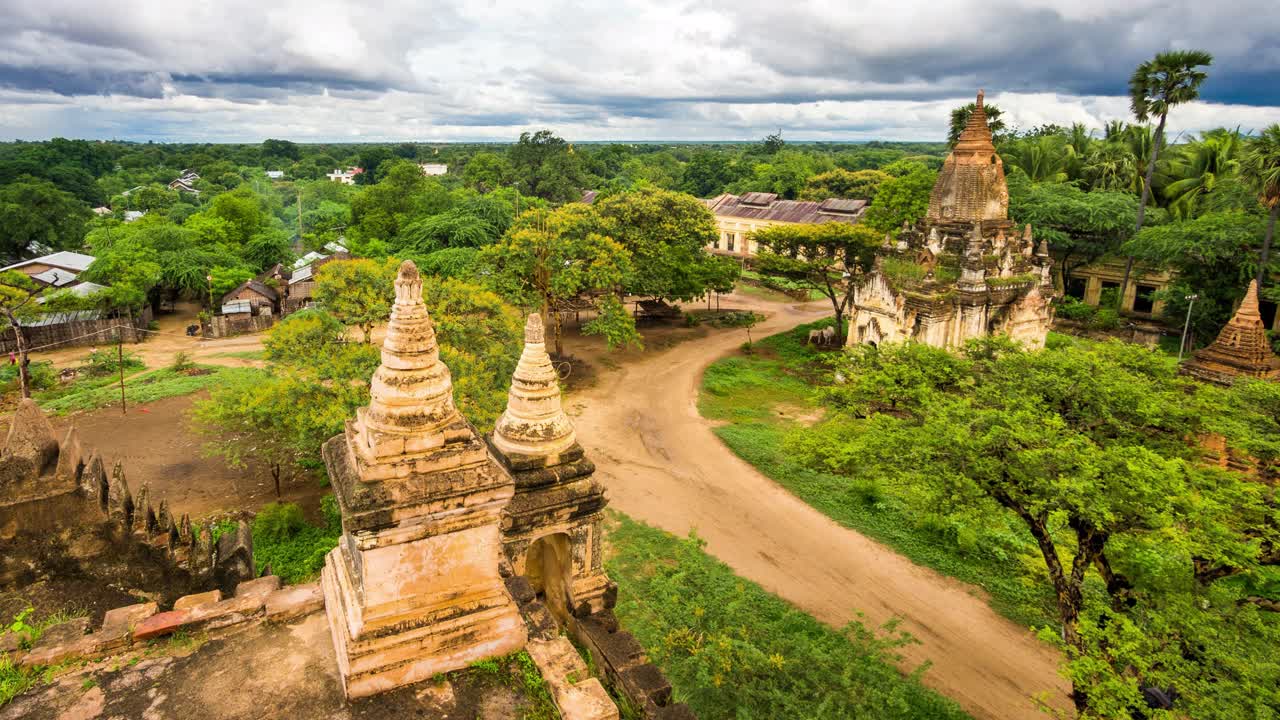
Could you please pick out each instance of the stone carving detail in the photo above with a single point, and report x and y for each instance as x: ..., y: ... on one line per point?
x: 1241, y: 348
x: 413, y: 589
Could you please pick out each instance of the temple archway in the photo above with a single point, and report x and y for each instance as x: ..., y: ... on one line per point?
x: 548, y: 567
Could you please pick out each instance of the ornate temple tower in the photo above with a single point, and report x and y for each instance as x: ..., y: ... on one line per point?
x: 971, y: 185
x: 413, y: 587
x: 551, y: 530
x: 977, y: 274
x: 1240, y: 350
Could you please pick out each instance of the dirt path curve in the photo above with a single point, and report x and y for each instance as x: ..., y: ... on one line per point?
x: 663, y: 465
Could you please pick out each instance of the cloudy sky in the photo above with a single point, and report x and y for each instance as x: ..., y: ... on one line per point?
x: 316, y: 70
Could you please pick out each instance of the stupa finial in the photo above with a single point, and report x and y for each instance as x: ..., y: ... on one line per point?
x: 534, y: 423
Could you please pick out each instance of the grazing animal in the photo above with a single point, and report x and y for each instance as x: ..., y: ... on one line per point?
x: 825, y: 337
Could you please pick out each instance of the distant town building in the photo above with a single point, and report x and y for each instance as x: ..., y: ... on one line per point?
x: 346, y: 177
x: 275, y: 174
x: 433, y: 168
x: 102, y: 210
x: 738, y: 216
x: 131, y: 215
x: 964, y: 271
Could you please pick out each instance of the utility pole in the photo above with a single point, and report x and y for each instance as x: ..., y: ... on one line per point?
x: 120, y: 364
x: 299, y: 213
x: 1191, y: 300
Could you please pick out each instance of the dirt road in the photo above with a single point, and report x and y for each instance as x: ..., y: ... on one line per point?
x: 663, y: 465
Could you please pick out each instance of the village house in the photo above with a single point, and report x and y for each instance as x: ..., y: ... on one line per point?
x: 186, y: 182
x: 346, y: 177
x: 59, y: 269
x: 252, y: 296
x: 275, y: 174
x: 964, y: 271
x: 738, y: 216
x: 433, y: 168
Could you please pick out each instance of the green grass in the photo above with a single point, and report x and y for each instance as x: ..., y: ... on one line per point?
x: 293, y: 548
x: 14, y: 679
x: 519, y: 672
x: 140, y: 387
x: 733, y: 650
x: 242, y: 354
x: 749, y: 391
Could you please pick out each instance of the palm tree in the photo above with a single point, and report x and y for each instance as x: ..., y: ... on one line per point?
x: 1261, y: 168
x: 1196, y: 169
x: 960, y: 118
x: 1043, y: 159
x: 1156, y: 86
x: 1111, y: 165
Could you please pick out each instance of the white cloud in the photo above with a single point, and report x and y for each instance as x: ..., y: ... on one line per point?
x: 629, y: 69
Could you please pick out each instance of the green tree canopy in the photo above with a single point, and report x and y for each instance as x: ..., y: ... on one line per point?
x: 1147, y: 549
x: 549, y: 258
x: 825, y: 257
x: 666, y: 234
x: 358, y: 293
x: 901, y: 199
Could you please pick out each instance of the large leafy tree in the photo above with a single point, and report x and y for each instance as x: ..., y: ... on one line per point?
x: 826, y: 257
x: 545, y: 166
x: 1214, y: 257
x: 1085, y: 447
x: 666, y: 234
x: 901, y: 199
x: 1261, y: 169
x: 549, y: 258
x: 708, y: 173
x: 382, y: 211
x: 1156, y: 87
x: 38, y: 217
x: 1080, y: 226
x: 358, y: 293
x: 19, y: 301
x: 841, y: 183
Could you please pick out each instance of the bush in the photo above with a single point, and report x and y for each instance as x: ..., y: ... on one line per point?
x: 1070, y: 308
x: 1107, y: 318
x: 293, y: 548
x: 278, y: 521
x: 108, y: 361
x: 42, y: 375
x: 182, y: 362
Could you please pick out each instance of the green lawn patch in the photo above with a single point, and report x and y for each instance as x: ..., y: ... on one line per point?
x: 760, y: 396
x: 733, y: 650
x: 141, y: 387
x: 242, y: 354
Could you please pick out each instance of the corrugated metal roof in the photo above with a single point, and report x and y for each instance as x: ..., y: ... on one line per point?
x: 794, y: 211
x: 237, y: 306
x: 63, y: 317
x: 63, y: 259
x: 56, y: 277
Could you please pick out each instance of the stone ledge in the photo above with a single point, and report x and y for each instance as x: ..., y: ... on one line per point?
x: 577, y: 695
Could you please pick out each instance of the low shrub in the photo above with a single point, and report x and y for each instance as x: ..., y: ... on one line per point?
x: 1070, y: 308
x: 106, y: 361
x: 1105, y: 319
x: 293, y: 548
x: 41, y: 373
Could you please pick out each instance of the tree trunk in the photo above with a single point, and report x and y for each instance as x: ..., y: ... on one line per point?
x: 275, y: 476
x: 24, y: 376
x: 1266, y: 243
x: 559, y: 345
x: 1146, y: 194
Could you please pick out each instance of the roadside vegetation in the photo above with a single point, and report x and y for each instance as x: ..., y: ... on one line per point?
x: 1070, y: 484
x: 765, y: 396
x: 140, y: 386
x: 732, y: 650
x: 16, y: 679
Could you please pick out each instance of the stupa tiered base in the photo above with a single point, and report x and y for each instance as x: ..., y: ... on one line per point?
x: 413, y: 588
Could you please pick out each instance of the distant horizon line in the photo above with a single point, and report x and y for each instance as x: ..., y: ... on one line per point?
x: 15, y: 141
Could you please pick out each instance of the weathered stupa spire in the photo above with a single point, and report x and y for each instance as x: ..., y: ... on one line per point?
x: 411, y: 393
x: 971, y: 184
x: 413, y: 589
x: 534, y: 422
x: 1241, y: 348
